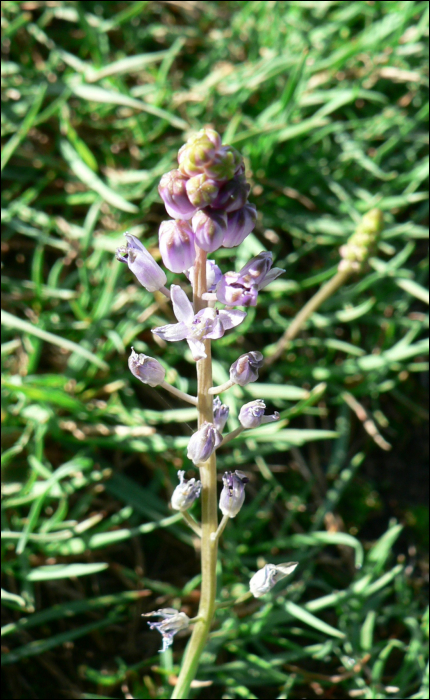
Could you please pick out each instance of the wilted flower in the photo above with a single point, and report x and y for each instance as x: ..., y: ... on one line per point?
x: 177, y: 248
x: 240, y: 223
x: 245, y: 369
x: 241, y: 288
x: 233, y: 493
x: 221, y: 412
x: 146, y: 368
x: 203, y: 442
x: 173, y: 192
x: 173, y: 622
x: 209, y: 227
x: 141, y: 263
x: 251, y: 415
x: 207, y: 323
x: 264, y: 580
x: 213, y: 275
x: 185, y: 493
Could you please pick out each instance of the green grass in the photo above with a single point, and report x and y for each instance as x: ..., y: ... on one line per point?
x: 328, y: 103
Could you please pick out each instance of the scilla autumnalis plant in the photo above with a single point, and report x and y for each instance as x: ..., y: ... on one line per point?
x: 207, y: 198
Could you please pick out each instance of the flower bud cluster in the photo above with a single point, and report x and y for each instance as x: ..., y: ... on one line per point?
x: 207, y: 198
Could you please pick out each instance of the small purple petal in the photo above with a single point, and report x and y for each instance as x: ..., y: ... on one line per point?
x: 197, y: 348
x: 230, y: 319
x: 172, y: 332
x: 182, y: 306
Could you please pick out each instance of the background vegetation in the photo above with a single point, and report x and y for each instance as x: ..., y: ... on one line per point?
x: 328, y: 103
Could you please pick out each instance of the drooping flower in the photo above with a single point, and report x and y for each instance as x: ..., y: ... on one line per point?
x: 213, y: 275
x: 241, y: 288
x: 177, y: 245
x: 208, y: 323
x: 233, y: 493
x: 173, y: 192
x: 172, y: 623
x: 209, y: 227
x: 146, y: 368
x: 221, y: 412
x: 245, y: 369
x: 264, y: 580
x: 185, y: 493
x: 240, y: 223
x: 141, y: 263
x: 203, y: 443
x: 251, y: 415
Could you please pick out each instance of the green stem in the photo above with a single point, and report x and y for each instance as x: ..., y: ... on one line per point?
x: 208, y: 477
x: 313, y: 304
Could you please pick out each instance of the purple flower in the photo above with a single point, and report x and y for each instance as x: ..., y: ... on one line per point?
x: 221, y: 412
x: 185, y: 493
x: 203, y: 442
x: 208, y: 323
x: 240, y: 223
x: 241, y: 288
x: 264, y: 580
x: 173, y: 622
x: 233, y: 493
x: 177, y: 245
x: 173, y: 192
x: 213, y: 275
x: 233, y: 195
x: 251, y: 415
x: 245, y: 369
x: 141, y: 263
x: 209, y: 227
x: 145, y: 368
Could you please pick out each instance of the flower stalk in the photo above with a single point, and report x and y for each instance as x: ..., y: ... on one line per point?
x: 209, y: 525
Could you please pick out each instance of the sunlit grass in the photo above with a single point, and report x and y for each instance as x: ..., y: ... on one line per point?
x: 328, y: 102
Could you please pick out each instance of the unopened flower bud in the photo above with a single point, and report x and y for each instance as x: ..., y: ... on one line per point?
x: 177, y: 245
x: 213, y: 275
x: 232, y: 195
x: 185, y: 493
x: 240, y: 223
x: 362, y: 244
x: 209, y: 227
x: 202, y: 190
x: 233, y: 493
x: 173, y: 192
x: 251, y: 415
x: 203, y: 153
x: 264, y: 580
x: 221, y: 412
x: 172, y: 623
x: 203, y: 442
x: 145, y: 368
x: 141, y: 263
x: 245, y: 369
